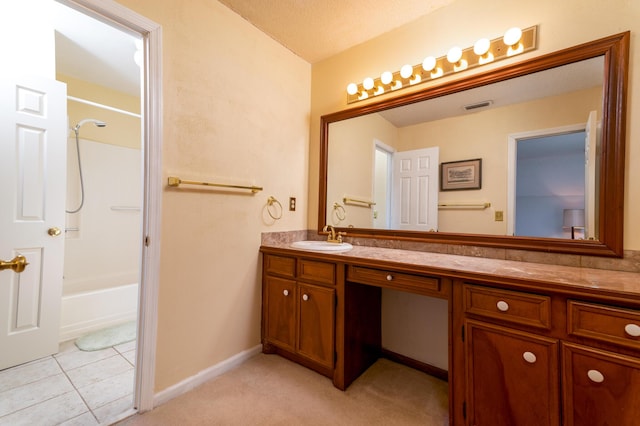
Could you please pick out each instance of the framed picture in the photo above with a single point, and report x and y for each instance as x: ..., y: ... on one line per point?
x: 460, y: 175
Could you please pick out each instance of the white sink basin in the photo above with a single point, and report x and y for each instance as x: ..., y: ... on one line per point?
x: 321, y: 246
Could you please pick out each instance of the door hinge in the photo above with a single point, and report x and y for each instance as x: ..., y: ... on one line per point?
x: 464, y: 410
x: 463, y: 333
x: 147, y: 241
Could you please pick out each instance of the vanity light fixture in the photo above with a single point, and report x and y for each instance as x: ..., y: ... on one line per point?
x: 514, y: 42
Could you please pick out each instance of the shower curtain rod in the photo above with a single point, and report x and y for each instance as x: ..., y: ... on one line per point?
x: 95, y: 104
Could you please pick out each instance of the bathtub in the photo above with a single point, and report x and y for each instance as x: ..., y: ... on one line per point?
x: 86, y: 311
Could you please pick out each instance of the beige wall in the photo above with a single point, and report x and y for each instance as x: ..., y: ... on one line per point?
x: 561, y: 24
x: 236, y: 110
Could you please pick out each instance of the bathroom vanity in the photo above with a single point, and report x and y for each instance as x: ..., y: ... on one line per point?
x: 528, y: 343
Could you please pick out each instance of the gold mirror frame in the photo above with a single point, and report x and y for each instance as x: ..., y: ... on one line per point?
x: 615, y: 50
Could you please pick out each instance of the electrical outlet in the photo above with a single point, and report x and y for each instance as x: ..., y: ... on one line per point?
x: 292, y: 204
x: 499, y: 216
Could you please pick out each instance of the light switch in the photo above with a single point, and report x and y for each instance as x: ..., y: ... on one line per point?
x: 292, y: 204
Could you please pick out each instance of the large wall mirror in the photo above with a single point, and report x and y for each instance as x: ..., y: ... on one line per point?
x: 528, y: 156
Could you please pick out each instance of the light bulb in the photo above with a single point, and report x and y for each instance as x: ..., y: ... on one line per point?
x: 481, y: 47
x: 406, y: 71
x: 367, y: 83
x: 454, y: 55
x: 512, y: 36
x: 429, y: 63
x: 352, y: 88
x: 386, y: 77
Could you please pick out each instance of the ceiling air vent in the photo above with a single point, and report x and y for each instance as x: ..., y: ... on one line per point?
x: 477, y: 105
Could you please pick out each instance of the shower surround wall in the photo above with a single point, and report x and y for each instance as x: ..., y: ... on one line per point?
x: 102, y: 253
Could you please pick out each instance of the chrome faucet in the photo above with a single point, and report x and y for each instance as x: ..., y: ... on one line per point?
x: 333, y: 237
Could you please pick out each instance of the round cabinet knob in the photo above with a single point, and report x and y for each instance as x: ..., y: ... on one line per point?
x: 595, y: 376
x: 54, y: 232
x: 632, y: 330
x: 286, y: 292
x: 502, y: 306
x: 530, y: 357
x: 305, y: 297
x: 389, y: 277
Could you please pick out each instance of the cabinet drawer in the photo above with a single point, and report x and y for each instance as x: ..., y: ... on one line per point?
x: 604, y: 323
x: 511, y: 306
x: 317, y: 272
x: 391, y: 279
x: 280, y: 265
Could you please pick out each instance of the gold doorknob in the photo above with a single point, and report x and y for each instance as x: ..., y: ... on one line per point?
x: 18, y: 264
x: 54, y: 232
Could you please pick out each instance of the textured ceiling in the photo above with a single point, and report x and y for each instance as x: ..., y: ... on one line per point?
x: 318, y: 29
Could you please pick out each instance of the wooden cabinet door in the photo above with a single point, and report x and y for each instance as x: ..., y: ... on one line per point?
x: 512, y: 377
x: 280, y: 328
x: 316, y: 323
x: 600, y: 388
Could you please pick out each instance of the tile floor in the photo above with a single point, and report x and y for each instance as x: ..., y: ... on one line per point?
x: 72, y: 387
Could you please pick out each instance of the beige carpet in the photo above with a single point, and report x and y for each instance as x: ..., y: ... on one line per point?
x: 269, y: 390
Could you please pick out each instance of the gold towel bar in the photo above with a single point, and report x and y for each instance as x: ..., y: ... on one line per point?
x: 176, y: 181
x: 465, y: 205
x: 354, y: 201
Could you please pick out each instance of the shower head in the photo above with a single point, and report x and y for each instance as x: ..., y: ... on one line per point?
x: 98, y: 123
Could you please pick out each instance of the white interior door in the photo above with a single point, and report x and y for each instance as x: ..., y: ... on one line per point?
x: 590, y: 205
x: 415, y: 190
x: 33, y: 116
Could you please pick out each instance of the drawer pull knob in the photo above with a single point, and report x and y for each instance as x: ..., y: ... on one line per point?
x: 632, y: 330
x: 305, y: 297
x: 389, y: 277
x: 286, y: 292
x: 502, y: 306
x: 595, y: 376
x: 530, y: 357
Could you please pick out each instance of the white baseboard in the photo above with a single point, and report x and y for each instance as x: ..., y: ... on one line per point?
x: 205, y: 375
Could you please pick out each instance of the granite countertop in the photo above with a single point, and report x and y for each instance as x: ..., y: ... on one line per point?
x: 615, y: 283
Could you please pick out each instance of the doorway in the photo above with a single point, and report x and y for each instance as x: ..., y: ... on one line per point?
x: 149, y: 162
x: 382, y: 175
x: 551, y: 181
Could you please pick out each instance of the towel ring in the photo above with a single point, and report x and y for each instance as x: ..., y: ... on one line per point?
x: 339, y: 211
x: 270, y: 204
